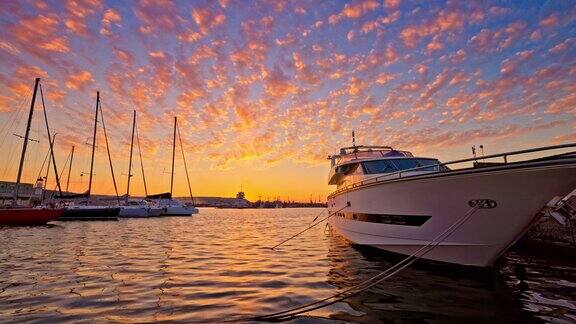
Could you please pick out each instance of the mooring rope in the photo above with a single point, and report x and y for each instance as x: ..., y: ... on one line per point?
x: 361, y: 287
x: 309, y: 227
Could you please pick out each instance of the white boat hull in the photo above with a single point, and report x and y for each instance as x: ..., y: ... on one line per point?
x: 134, y: 212
x: 178, y: 211
x: 155, y: 212
x: 520, y: 193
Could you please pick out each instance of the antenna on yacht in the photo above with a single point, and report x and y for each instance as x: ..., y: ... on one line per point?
x: 474, y: 150
x: 353, y: 139
x: 482, y: 150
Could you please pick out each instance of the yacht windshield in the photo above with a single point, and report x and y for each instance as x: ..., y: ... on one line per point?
x: 393, y: 165
x: 379, y: 166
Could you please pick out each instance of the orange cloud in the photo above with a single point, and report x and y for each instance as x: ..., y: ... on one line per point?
x: 78, y: 11
x: 207, y: 19
x: 359, y: 8
x: 277, y: 83
x: 384, y: 78
x: 110, y: 16
x: 156, y: 15
x: 79, y: 80
x: 59, y: 44
x: 487, y: 41
x: 391, y: 3
x: 510, y: 65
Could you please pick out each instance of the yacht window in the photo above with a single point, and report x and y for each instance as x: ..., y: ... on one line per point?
x: 378, y: 166
x: 347, y: 168
x: 392, y: 165
x: 404, y: 164
x: 424, y: 162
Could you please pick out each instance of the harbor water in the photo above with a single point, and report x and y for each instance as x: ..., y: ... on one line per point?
x: 218, y: 265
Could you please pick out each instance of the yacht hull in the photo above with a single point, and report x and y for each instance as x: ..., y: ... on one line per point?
x: 404, y: 215
x: 134, y: 212
x: 28, y: 216
x: 178, y: 211
x: 154, y: 212
x: 90, y: 213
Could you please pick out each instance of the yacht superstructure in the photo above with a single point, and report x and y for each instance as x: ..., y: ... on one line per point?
x: 399, y: 202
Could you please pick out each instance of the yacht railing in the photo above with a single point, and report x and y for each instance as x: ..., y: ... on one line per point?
x: 438, y: 166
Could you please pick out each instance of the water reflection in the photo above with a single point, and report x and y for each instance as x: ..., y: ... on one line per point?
x: 425, y: 291
x: 219, y: 265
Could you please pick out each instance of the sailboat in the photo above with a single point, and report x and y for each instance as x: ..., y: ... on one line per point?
x: 136, y: 208
x: 86, y: 211
x: 17, y: 215
x: 171, y: 207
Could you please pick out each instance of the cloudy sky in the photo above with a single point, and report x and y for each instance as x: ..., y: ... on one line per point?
x: 266, y: 90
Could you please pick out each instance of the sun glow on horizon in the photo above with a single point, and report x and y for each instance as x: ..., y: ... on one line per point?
x: 264, y: 91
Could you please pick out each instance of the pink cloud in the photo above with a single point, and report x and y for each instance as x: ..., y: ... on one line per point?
x: 110, y: 17
x: 207, y: 19
x: 511, y: 64
x: 487, y: 41
x: 391, y: 3
x: 445, y: 20
x: 550, y: 21
x: 78, y: 11
x: 79, y: 80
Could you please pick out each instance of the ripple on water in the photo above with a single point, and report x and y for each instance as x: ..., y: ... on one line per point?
x: 219, y: 264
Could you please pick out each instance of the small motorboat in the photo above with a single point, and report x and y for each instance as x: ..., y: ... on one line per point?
x: 398, y: 202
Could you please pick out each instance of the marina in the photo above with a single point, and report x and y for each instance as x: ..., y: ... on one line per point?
x: 346, y: 161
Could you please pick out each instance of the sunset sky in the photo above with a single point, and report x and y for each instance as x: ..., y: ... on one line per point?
x: 266, y: 90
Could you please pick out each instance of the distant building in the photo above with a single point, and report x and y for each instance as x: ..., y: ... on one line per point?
x: 26, y: 191
x: 241, y: 201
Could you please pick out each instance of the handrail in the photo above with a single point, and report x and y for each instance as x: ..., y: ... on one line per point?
x: 505, y: 155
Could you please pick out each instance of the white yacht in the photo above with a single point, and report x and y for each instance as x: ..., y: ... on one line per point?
x: 138, y: 209
x: 171, y: 207
x: 395, y: 201
x: 175, y: 208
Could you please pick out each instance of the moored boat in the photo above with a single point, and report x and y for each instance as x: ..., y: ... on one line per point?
x: 138, y: 209
x: 28, y: 216
x: 397, y: 202
x: 171, y: 207
x: 86, y: 211
x: 164, y: 201
x: 90, y: 213
x: 20, y: 215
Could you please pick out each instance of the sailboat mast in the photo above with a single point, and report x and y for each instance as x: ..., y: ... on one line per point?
x: 25, y: 145
x: 186, y: 166
x: 130, y: 162
x: 109, y: 155
x: 93, y: 143
x: 141, y: 162
x: 70, y: 168
x: 48, y: 169
x: 51, y: 142
x: 173, y: 155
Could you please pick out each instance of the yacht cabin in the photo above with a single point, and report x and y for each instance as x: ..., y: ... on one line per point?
x: 357, y: 163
